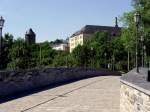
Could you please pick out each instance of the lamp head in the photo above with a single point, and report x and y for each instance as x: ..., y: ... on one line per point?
x: 1, y: 22
x: 137, y: 18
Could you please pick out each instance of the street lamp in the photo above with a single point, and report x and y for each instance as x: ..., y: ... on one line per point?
x: 66, y: 62
x: 40, y: 53
x: 105, y: 54
x: 144, y: 55
x: 1, y: 22
x: 91, y: 57
x: 1, y: 27
x: 137, y: 18
x: 142, y: 39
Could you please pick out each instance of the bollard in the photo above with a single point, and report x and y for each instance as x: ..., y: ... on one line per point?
x: 148, y: 76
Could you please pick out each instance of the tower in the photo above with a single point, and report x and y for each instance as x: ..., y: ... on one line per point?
x: 30, y: 37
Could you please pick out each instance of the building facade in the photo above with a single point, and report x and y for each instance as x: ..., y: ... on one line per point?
x: 30, y: 37
x: 61, y: 47
x: 76, y: 40
x: 87, y: 31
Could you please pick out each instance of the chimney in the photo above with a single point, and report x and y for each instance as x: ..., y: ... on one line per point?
x: 116, y: 22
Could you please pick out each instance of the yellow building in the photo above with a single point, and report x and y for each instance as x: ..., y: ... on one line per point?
x: 86, y: 32
x: 75, y: 40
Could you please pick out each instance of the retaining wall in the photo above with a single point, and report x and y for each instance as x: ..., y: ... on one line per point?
x: 12, y: 82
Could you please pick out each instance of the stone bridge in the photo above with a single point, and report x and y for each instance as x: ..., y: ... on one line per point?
x: 98, y: 94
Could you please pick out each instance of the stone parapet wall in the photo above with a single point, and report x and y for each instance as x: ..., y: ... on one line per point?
x: 135, y: 91
x: 133, y: 100
x: 12, y: 82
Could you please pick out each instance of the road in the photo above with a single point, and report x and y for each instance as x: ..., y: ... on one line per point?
x: 98, y: 94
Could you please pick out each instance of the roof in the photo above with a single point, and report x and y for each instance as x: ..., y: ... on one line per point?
x: 30, y: 32
x: 90, y: 29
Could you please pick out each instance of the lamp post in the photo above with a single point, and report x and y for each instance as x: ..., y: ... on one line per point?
x: 105, y: 54
x: 91, y: 57
x: 66, y: 62
x: 142, y: 39
x: 40, y: 55
x: 144, y: 55
x: 1, y: 27
x: 137, y: 22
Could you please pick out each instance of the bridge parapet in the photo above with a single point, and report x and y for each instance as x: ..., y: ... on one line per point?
x: 12, y: 82
x: 135, y: 91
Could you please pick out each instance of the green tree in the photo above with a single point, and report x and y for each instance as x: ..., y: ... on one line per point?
x: 81, y: 55
x: 18, y: 55
x: 61, y: 59
x: 46, y: 54
x: 128, y: 35
x: 7, y: 45
x: 118, y: 53
x: 100, y: 42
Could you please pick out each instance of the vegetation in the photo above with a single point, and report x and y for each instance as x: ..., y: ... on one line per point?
x: 129, y: 33
x: 19, y: 55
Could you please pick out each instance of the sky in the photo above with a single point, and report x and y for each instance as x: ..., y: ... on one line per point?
x: 52, y: 19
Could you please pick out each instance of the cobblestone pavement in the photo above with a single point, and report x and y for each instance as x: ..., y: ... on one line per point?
x: 99, y: 94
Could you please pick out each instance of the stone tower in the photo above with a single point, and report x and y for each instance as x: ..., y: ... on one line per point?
x: 30, y: 37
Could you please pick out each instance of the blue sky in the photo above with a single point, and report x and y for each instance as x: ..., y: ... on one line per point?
x: 52, y: 19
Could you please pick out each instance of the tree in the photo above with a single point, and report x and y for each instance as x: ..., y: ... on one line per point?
x: 128, y: 35
x: 46, y: 54
x: 100, y: 42
x: 18, y: 55
x: 118, y: 53
x: 61, y: 59
x: 7, y: 45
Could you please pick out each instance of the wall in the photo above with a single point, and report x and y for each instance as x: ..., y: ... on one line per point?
x: 12, y: 82
x: 135, y: 91
x: 133, y: 100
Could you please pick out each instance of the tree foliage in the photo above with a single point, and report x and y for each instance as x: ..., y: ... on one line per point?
x: 129, y: 32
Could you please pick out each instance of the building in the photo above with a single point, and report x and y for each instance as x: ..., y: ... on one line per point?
x: 87, y: 31
x: 61, y: 47
x: 30, y: 37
